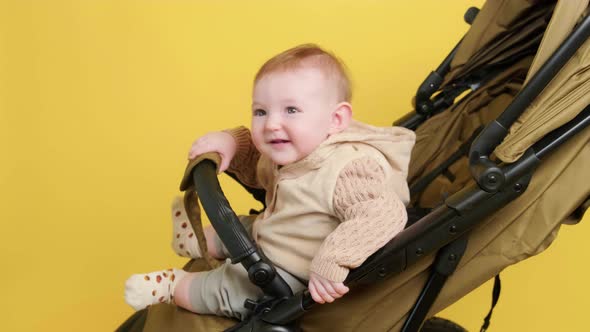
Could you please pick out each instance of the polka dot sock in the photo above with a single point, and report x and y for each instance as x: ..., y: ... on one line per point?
x: 184, y: 241
x: 142, y: 290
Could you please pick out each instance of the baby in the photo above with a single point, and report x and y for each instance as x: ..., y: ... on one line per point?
x: 335, y: 189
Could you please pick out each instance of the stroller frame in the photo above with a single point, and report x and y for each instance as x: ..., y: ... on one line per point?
x: 444, y: 230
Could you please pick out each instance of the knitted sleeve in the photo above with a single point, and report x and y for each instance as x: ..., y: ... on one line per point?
x: 244, y: 163
x: 371, y: 215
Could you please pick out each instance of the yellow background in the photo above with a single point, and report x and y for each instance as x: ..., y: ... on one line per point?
x: 100, y: 101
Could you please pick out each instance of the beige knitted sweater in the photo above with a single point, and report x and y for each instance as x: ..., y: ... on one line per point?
x: 330, y: 211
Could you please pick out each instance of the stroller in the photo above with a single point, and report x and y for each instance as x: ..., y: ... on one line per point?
x: 501, y: 129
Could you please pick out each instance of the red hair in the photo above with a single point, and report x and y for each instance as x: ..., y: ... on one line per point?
x: 313, y: 56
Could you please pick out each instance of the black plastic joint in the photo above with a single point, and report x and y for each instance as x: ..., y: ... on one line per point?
x: 425, y: 91
x: 485, y: 172
x: 424, y: 108
x: 488, y: 175
x: 261, y: 273
x: 450, y: 256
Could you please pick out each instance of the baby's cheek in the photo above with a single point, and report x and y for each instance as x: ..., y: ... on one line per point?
x: 257, y: 140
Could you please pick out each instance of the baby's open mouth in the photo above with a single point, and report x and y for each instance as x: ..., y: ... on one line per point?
x: 279, y: 141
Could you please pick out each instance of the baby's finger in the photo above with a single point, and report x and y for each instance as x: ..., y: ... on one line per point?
x: 329, y: 289
x: 194, y: 151
x: 199, y: 146
x: 314, y: 293
x: 224, y: 164
x: 192, y: 154
x: 324, y: 293
x: 341, y: 289
x: 198, y: 149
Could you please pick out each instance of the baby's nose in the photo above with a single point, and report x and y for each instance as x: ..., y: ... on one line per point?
x: 273, y: 122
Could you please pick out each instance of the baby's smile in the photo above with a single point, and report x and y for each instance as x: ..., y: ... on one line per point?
x: 279, y: 145
x: 279, y: 141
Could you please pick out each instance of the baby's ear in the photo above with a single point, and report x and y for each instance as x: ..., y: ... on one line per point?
x: 341, y: 117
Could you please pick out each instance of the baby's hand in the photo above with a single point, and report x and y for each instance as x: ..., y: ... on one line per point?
x: 218, y: 141
x: 323, y: 290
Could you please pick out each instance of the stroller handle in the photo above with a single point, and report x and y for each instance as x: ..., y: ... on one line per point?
x: 219, y: 211
x: 233, y: 234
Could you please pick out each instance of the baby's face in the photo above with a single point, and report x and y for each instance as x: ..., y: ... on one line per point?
x: 292, y: 113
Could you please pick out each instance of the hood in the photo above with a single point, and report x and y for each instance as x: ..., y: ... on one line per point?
x: 395, y: 143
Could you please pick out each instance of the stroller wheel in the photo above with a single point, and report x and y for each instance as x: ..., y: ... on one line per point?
x: 437, y: 324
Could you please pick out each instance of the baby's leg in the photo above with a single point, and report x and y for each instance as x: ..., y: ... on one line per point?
x: 184, y: 241
x: 222, y: 291
x: 182, y: 292
x: 142, y: 290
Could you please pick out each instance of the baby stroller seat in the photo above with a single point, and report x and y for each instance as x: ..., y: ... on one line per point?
x: 488, y: 172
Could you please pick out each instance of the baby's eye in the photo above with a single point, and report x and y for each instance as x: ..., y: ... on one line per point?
x: 291, y: 110
x: 259, y: 112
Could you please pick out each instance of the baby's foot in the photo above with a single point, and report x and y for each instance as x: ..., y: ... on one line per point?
x: 142, y: 290
x: 184, y: 241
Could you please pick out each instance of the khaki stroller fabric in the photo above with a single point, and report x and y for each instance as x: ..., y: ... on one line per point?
x: 444, y: 133
x: 502, y: 30
x: 565, y: 96
x: 565, y: 16
x: 506, y: 29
